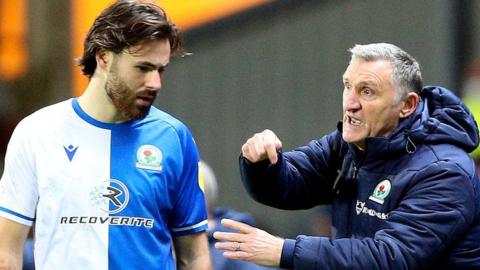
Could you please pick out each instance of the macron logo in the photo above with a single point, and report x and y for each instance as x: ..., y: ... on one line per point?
x: 70, y: 151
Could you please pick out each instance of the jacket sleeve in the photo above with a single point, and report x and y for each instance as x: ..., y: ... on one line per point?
x: 301, y: 178
x: 436, y: 211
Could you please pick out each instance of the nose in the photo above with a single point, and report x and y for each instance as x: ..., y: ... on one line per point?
x: 153, y: 80
x: 350, y: 101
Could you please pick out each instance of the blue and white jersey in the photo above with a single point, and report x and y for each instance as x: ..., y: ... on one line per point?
x: 102, y: 196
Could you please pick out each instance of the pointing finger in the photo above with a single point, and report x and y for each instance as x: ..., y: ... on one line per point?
x: 271, y: 144
x: 238, y: 226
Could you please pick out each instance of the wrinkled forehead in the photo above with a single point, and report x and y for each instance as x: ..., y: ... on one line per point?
x: 360, y: 68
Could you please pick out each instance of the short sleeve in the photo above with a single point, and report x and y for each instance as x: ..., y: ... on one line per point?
x: 190, y: 214
x: 18, y: 185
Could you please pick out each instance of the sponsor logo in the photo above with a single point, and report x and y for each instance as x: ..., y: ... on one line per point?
x: 363, y: 210
x: 115, y: 220
x: 149, y: 157
x: 70, y: 151
x: 381, y: 191
x: 111, y: 196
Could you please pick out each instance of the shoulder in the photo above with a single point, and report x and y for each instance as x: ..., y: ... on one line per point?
x: 169, y: 127
x: 445, y: 169
x: 52, y: 110
x: 45, y: 117
x: 166, y: 120
x: 438, y: 171
x: 428, y: 157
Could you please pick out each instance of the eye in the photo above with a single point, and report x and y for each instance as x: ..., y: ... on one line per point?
x: 367, y: 91
x: 347, y: 87
x: 143, y: 69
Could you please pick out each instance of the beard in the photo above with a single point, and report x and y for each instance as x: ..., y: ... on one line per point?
x: 124, y: 98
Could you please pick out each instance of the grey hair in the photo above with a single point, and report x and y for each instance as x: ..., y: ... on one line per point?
x: 406, y: 73
x: 210, y: 183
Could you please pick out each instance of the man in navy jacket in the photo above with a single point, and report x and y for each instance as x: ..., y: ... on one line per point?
x: 404, y: 191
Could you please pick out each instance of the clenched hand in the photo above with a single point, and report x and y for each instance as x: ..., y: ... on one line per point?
x: 261, y: 146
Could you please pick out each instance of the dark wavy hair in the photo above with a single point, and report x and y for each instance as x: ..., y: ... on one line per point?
x: 124, y: 24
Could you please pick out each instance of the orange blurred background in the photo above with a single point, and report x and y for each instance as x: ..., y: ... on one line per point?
x: 13, y: 39
x: 185, y: 14
x: 14, y: 28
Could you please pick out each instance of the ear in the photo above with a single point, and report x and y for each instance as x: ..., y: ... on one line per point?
x: 409, y: 104
x: 104, y: 58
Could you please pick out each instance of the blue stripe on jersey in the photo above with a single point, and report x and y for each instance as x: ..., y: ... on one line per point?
x: 91, y: 120
x: 16, y: 214
x: 139, y: 247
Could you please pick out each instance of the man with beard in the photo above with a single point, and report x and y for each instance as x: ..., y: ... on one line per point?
x: 110, y: 181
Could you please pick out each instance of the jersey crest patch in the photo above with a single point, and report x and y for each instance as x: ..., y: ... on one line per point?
x: 149, y: 157
x: 381, y: 191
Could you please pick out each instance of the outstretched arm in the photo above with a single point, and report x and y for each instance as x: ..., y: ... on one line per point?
x: 433, y: 215
x: 249, y: 244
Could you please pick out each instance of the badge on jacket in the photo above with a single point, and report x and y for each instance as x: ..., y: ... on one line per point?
x: 381, y: 191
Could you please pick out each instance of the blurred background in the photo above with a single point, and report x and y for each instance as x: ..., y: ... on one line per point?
x: 256, y: 64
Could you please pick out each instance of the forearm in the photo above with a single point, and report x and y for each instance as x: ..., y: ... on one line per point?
x: 12, y: 239
x: 310, y: 252
x: 292, y: 183
x: 192, y: 252
x: 10, y: 261
x: 201, y: 262
x: 259, y: 179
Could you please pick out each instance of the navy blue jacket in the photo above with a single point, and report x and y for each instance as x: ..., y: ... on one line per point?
x: 409, y: 201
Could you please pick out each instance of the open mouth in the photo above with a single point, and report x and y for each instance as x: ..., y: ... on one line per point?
x: 353, y: 121
x: 145, y: 100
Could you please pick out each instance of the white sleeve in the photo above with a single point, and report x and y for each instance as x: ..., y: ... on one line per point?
x: 18, y: 185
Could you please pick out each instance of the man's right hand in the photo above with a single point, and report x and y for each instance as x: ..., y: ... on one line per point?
x: 261, y: 146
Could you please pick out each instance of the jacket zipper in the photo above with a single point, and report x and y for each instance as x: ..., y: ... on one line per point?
x: 352, y: 203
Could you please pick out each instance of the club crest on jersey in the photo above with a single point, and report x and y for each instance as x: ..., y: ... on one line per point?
x: 149, y: 157
x: 111, y: 196
x: 381, y: 191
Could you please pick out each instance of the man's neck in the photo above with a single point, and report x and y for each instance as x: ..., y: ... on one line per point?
x: 97, y: 104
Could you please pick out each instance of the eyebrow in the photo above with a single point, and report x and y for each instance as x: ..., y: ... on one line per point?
x: 368, y: 83
x: 363, y: 83
x: 151, y: 65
